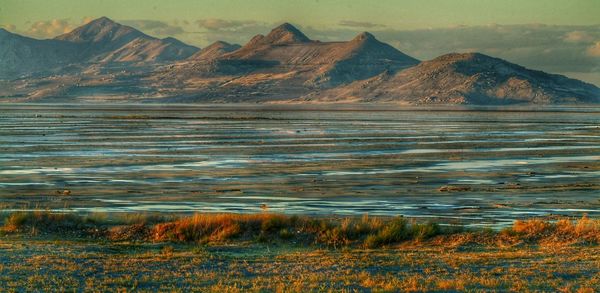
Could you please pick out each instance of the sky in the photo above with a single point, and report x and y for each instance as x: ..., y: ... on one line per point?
x: 559, y: 36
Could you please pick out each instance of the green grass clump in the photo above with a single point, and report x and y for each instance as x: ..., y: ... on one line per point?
x: 41, y: 221
x: 395, y: 231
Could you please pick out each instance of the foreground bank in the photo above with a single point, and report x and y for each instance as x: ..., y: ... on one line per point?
x: 43, y: 251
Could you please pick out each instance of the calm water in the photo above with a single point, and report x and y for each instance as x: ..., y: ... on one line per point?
x: 506, y: 164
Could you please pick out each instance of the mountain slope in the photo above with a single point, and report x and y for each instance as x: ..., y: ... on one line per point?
x: 103, y: 40
x: 214, y: 50
x: 325, y: 63
x: 106, y: 61
x: 284, y: 64
x: 470, y: 78
x: 21, y: 55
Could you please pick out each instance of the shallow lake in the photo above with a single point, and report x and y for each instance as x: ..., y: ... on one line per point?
x: 480, y: 166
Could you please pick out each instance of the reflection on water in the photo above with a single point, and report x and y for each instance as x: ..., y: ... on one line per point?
x: 508, y: 163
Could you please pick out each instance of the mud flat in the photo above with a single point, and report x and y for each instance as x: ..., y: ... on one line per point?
x: 479, y: 166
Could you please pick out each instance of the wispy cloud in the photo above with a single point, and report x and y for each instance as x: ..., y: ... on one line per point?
x: 594, y: 50
x: 359, y: 24
x: 50, y: 28
x: 233, y: 31
x: 155, y: 27
x: 578, y: 36
x: 217, y: 24
x: 9, y: 26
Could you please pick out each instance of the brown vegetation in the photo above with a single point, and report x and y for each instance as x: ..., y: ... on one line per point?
x: 367, y: 232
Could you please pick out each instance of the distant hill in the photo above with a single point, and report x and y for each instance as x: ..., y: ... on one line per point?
x: 470, y: 78
x: 22, y: 55
x: 214, y: 51
x: 324, y: 62
x: 106, y: 61
x: 101, y: 40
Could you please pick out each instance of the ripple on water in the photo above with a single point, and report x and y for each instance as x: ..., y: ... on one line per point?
x: 304, y: 162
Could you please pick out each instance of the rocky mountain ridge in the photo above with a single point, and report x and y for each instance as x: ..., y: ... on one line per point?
x: 106, y: 61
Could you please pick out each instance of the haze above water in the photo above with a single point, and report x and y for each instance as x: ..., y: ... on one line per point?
x: 505, y: 163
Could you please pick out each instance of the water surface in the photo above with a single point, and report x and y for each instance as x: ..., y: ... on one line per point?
x: 509, y: 162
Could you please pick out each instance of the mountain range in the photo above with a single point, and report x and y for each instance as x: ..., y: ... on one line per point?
x: 106, y: 61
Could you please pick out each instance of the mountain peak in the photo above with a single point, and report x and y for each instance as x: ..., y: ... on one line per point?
x: 173, y: 41
x: 101, y: 21
x: 364, y: 36
x: 99, y: 30
x: 286, y: 26
x: 219, y: 44
x: 471, y: 56
x: 215, y: 50
x: 286, y: 33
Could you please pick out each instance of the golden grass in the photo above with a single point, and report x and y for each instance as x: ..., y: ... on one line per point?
x: 367, y: 232
x: 38, y: 264
x: 563, y: 231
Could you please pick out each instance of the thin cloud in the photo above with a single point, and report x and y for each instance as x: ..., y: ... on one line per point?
x: 54, y: 27
x: 578, y: 36
x: 9, y: 27
x: 217, y: 24
x: 232, y: 31
x: 359, y: 24
x: 50, y: 28
x: 154, y: 27
x: 594, y: 50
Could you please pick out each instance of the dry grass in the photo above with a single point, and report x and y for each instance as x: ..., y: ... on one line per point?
x: 558, y: 256
x: 367, y: 232
x: 45, y: 222
x: 563, y: 231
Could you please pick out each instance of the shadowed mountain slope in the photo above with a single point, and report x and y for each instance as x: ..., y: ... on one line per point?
x: 22, y: 55
x: 103, y: 40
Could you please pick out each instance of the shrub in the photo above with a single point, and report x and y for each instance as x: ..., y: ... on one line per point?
x: 44, y: 221
x: 532, y: 228
x: 425, y: 231
x: 395, y: 230
x: 273, y: 223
